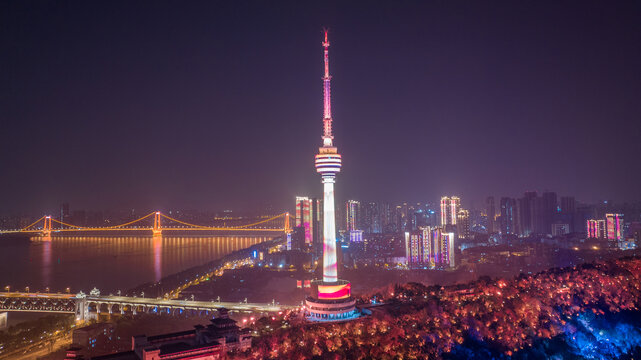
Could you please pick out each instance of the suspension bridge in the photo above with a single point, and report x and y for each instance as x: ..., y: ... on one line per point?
x: 48, y: 225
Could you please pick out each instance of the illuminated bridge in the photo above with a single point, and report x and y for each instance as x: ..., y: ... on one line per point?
x: 87, y: 306
x: 161, y: 223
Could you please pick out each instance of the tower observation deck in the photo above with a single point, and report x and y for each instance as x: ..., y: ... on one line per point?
x: 333, y: 301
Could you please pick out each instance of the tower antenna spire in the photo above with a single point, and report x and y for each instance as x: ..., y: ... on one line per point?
x: 327, y: 97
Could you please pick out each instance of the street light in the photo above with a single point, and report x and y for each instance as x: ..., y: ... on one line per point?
x: 27, y: 289
x: 68, y: 290
x: 7, y: 288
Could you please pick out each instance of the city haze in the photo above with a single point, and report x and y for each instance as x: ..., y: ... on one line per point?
x: 211, y: 107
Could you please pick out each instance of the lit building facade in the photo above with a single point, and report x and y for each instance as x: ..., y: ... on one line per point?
x: 418, y: 249
x: 356, y: 236
x: 490, y: 212
x: 449, y: 210
x: 352, y: 215
x: 308, y: 216
x: 463, y: 224
x: 614, y: 226
x: 595, y: 229
x: 333, y: 300
x: 508, y: 216
x: 430, y: 247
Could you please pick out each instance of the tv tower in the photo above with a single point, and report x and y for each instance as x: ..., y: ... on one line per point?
x: 333, y: 301
x: 328, y: 163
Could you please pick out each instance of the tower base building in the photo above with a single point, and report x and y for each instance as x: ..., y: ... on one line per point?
x: 333, y: 302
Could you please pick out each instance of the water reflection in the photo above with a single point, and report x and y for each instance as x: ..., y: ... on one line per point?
x: 108, y: 263
x: 157, y: 257
x: 46, y: 262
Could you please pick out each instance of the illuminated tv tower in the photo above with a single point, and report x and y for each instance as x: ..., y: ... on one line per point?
x: 328, y: 163
x: 333, y: 300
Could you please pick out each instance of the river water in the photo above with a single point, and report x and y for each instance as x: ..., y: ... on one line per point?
x: 106, y: 262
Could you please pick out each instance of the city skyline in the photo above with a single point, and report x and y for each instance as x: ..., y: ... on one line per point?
x: 175, y: 186
x: 267, y: 208
x: 443, y: 109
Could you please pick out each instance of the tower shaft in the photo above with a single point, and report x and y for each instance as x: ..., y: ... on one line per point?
x: 330, y: 268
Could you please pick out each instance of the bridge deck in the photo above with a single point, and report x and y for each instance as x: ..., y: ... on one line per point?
x: 148, y: 302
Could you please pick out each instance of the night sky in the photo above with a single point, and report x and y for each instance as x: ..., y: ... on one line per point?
x: 212, y: 105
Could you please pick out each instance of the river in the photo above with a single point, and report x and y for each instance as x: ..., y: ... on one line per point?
x: 109, y: 263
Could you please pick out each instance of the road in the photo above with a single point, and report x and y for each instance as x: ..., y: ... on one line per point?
x: 39, y: 349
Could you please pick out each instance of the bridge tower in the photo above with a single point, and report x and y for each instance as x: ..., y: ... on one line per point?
x: 288, y: 232
x: 46, y: 228
x: 288, y: 227
x: 157, y: 230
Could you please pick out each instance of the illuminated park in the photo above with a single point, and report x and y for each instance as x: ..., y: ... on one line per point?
x: 590, y: 310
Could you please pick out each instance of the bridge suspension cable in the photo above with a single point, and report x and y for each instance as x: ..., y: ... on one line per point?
x: 216, y: 228
x: 71, y: 227
x: 106, y: 227
x: 32, y: 224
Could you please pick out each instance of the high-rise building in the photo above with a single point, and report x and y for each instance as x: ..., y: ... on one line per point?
x: 507, y: 215
x: 568, y: 204
x: 490, y: 212
x: 65, y: 214
x: 430, y: 247
x: 352, y: 215
x: 449, y: 209
x: 614, y: 226
x: 559, y: 229
x: 333, y: 301
x: 296, y: 240
x: 549, y: 208
x: 372, y: 222
x: 401, y: 217
x: 595, y: 229
x: 463, y: 224
x: 528, y: 207
x: 308, y: 216
x: 567, y: 212
x: 417, y: 249
x: 387, y: 223
x: 356, y: 236
x: 449, y: 239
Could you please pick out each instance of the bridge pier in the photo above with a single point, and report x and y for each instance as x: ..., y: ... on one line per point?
x: 82, y: 309
x: 3, y: 320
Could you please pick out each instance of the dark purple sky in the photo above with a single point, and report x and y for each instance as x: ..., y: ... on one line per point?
x: 218, y: 104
